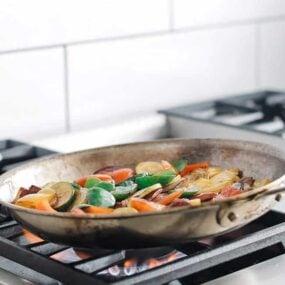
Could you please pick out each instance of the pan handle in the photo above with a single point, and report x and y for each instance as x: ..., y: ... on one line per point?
x: 276, y: 192
x: 246, y: 209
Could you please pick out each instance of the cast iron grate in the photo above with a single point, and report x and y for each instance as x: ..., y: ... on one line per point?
x: 78, y: 266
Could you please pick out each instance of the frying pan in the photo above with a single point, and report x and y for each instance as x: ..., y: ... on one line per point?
x: 173, y: 226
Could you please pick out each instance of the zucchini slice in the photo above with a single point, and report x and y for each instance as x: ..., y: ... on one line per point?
x: 80, y: 197
x: 66, y: 195
x: 150, y: 167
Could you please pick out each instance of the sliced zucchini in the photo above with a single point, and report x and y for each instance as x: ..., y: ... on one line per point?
x: 49, y: 184
x: 80, y: 197
x: 65, y: 193
x: 173, y: 183
x: 149, y: 167
x: 144, y: 192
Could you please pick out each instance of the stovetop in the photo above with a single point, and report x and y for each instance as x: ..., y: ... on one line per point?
x: 262, y: 112
x: 27, y: 259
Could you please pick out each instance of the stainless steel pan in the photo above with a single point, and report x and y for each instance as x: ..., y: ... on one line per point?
x: 173, y: 226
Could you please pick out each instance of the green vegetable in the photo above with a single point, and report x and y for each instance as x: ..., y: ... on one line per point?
x: 123, y: 192
x: 150, y: 167
x: 188, y: 192
x: 65, y: 194
x: 144, y: 192
x: 133, y: 178
x: 179, y: 164
x: 147, y: 181
x: 91, y: 182
x: 75, y: 185
x: 166, y: 172
x: 106, y: 185
x: 80, y: 197
x: 100, y: 197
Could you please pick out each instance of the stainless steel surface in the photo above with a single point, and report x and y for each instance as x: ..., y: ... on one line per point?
x: 269, y: 272
x: 189, y: 128
x: 147, y: 229
x: 10, y: 269
x: 7, y: 278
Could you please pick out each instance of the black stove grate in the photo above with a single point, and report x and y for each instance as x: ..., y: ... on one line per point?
x: 262, y: 111
x: 195, y: 257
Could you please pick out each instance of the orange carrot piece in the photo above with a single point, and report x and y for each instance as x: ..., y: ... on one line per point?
x: 143, y: 205
x: 81, y: 181
x: 43, y: 205
x: 190, y: 167
x: 122, y: 174
x: 98, y: 210
x: 103, y: 177
x: 170, y: 198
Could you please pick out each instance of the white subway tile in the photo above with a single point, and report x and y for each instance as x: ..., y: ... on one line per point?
x: 32, y: 95
x: 189, y: 13
x: 127, y: 77
x: 272, y: 55
x: 47, y: 22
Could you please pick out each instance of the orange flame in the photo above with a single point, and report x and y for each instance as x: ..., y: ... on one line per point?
x: 31, y: 237
x: 130, y: 262
x: 70, y: 255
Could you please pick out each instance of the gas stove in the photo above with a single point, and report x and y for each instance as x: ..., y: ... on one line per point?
x: 258, y: 116
x: 245, y: 254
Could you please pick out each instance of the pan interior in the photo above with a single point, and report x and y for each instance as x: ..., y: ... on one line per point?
x: 257, y: 160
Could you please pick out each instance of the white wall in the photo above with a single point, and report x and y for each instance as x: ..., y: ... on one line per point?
x: 71, y: 65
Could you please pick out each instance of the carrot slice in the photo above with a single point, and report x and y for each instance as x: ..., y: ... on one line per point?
x: 43, y: 205
x: 81, y: 181
x: 98, y: 210
x: 122, y: 174
x: 103, y: 177
x: 170, y: 198
x: 190, y: 167
x: 143, y: 205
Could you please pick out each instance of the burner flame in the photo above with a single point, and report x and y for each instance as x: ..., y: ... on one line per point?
x: 31, y: 238
x: 135, y: 265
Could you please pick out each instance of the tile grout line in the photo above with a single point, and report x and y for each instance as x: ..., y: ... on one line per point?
x: 171, y: 15
x: 257, y: 48
x: 209, y: 27
x: 66, y: 89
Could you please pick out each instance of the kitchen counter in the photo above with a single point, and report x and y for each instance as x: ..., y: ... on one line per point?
x: 149, y: 127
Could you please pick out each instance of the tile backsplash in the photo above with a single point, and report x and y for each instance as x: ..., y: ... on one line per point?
x: 69, y: 65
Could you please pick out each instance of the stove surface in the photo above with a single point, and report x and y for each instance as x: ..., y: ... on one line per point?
x: 260, y: 112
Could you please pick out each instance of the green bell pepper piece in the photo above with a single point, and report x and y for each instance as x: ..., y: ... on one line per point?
x: 100, y: 197
x: 179, y: 164
x: 106, y: 185
x: 147, y: 181
x: 91, y: 182
x: 123, y: 192
x: 188, y: 192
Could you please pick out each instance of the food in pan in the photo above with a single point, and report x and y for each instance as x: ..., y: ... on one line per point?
x: 151, y: 186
